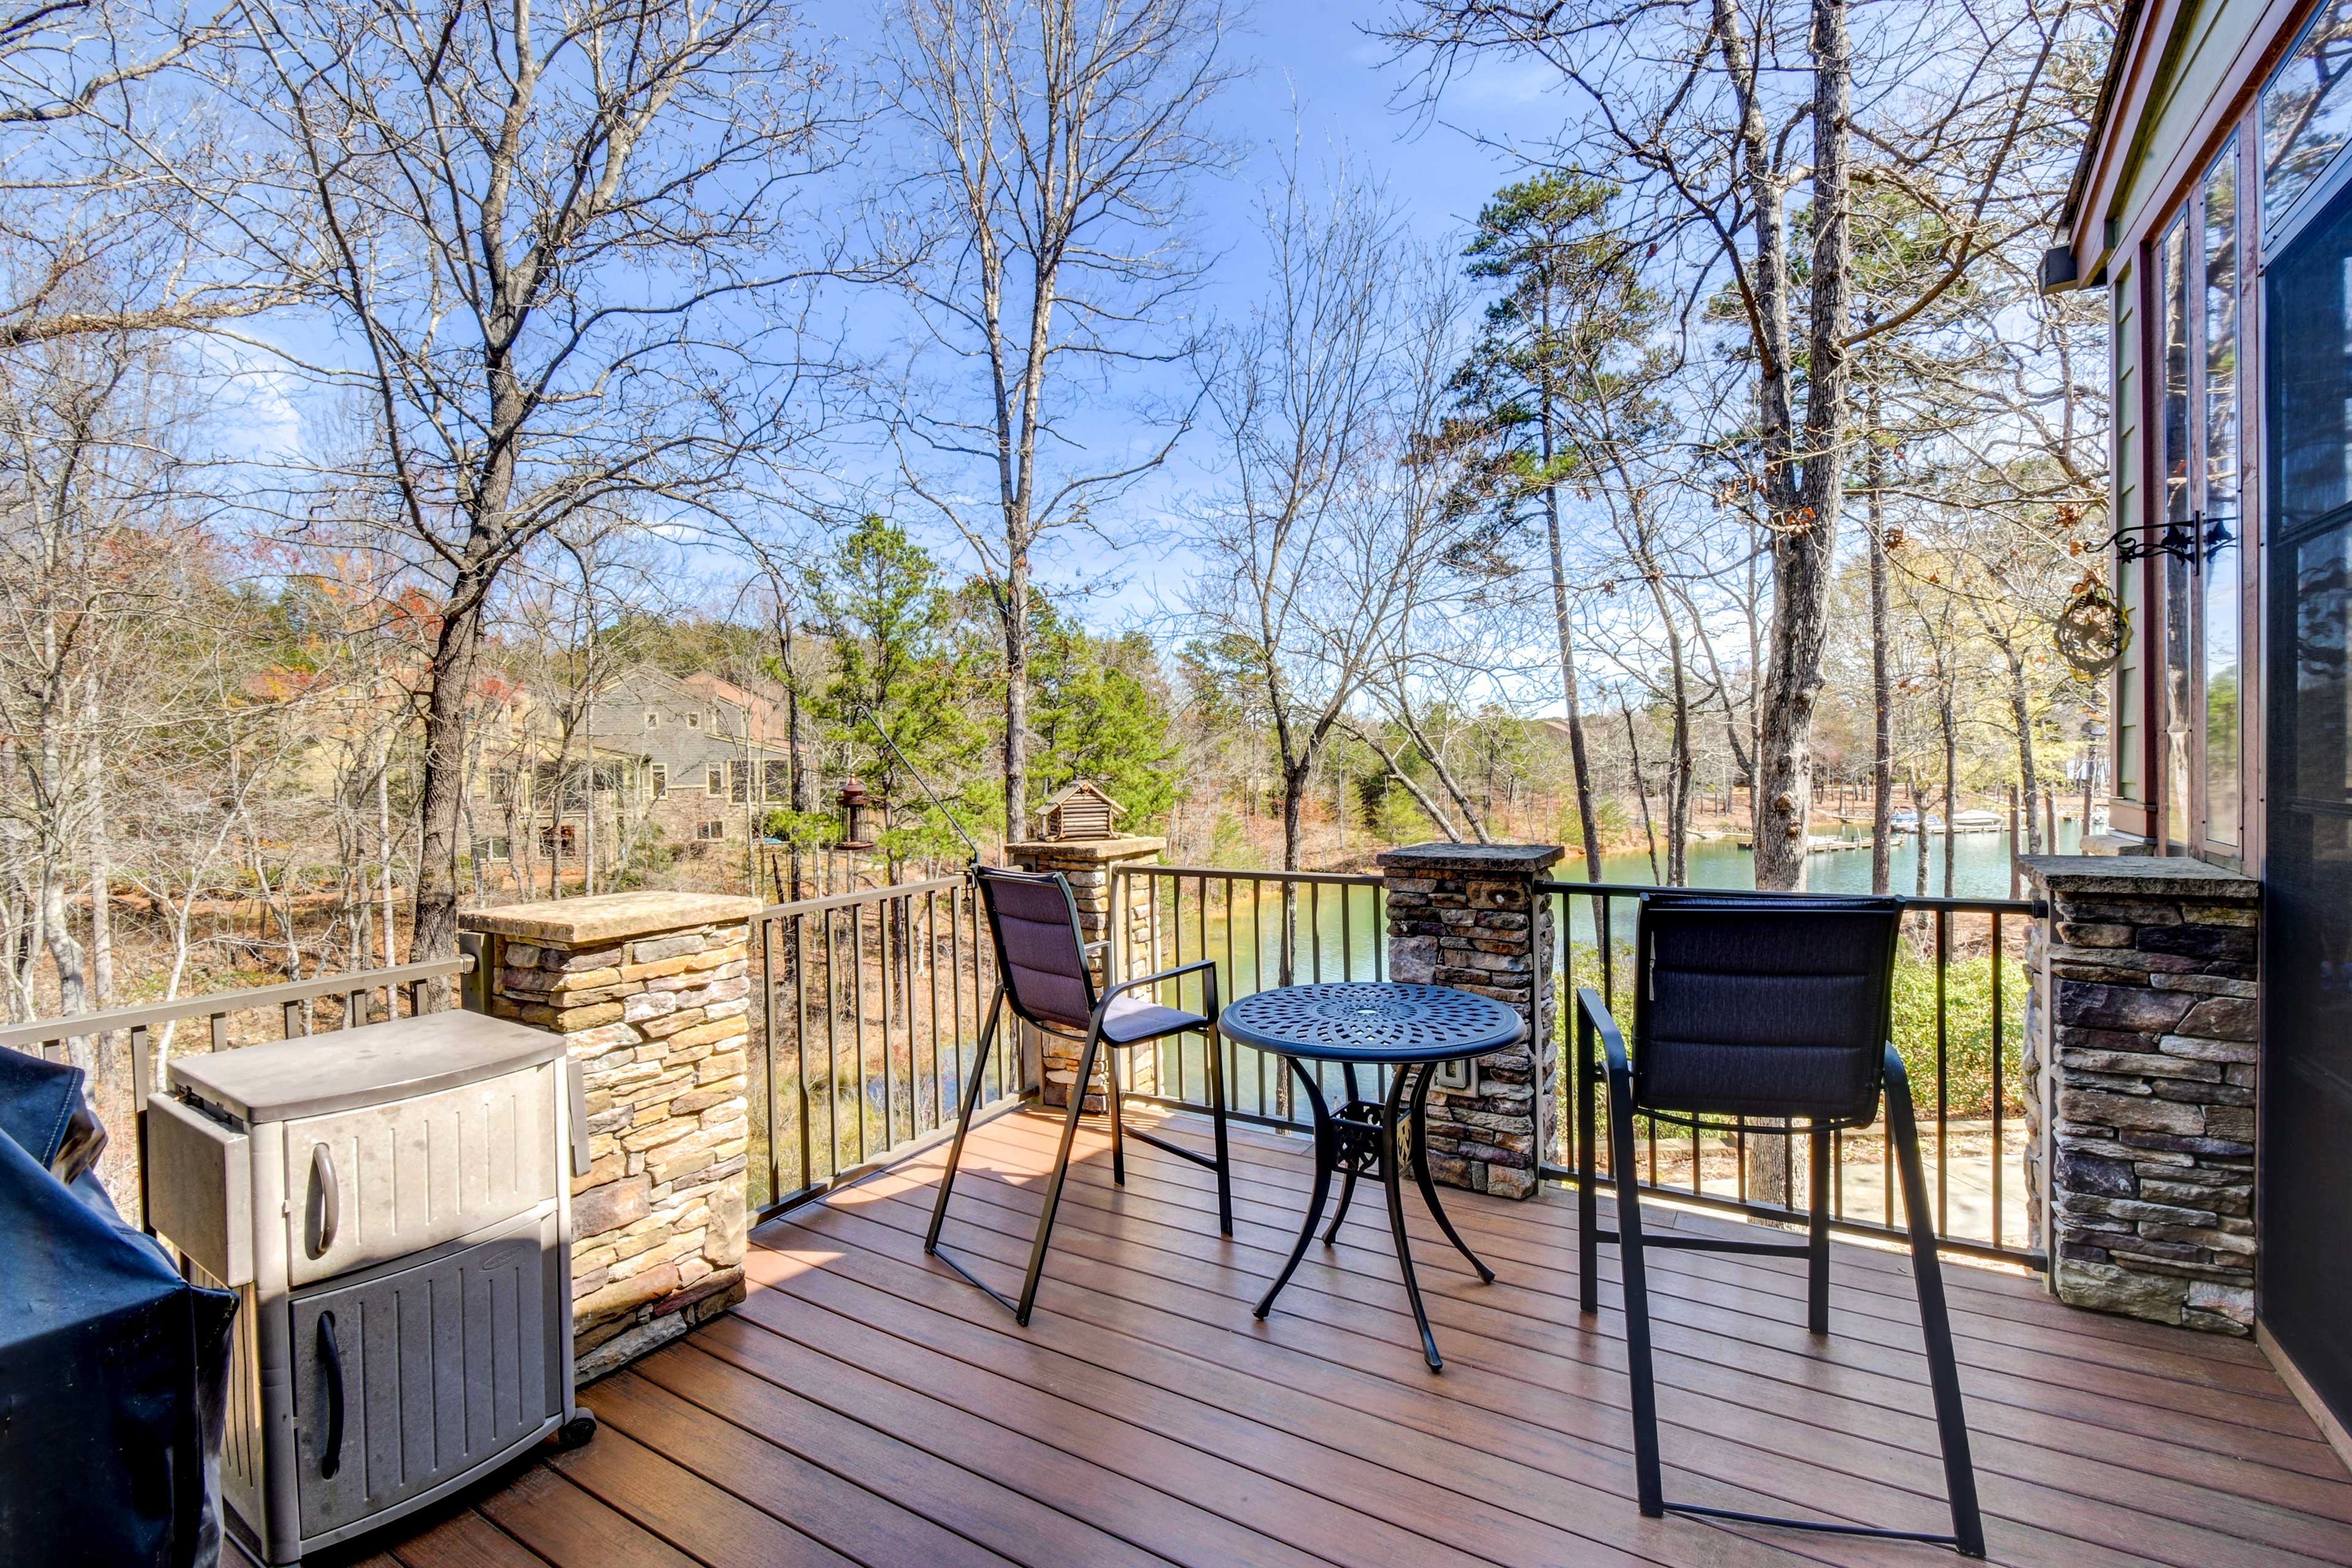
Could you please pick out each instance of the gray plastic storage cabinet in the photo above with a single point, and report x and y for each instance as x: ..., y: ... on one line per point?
x: 391, y: 1206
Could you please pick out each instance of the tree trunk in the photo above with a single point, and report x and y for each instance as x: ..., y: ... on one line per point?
x: 383, y: 848
x: 1805, y: 504
x: 1919, y: 824
x: 451, y: 677
x: 1577, y: 757
x: 1017, y: 695
x: 1881, y: 678
x: 1951, y: 787
x: 1641, y: 792
x: 1296, y: 779
x: 2020, y: 715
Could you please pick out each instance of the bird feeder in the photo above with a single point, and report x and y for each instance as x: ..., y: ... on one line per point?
x: 854, y: 803
x: 1081, y: 811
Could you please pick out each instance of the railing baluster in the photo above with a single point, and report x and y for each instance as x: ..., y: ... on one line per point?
x: 800, y: 1042
x: 1943, y: 1075
x: 832, y: 1052
x: 2000, y: 1235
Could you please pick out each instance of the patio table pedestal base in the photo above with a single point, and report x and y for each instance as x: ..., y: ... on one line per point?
x: 1361, y: 1140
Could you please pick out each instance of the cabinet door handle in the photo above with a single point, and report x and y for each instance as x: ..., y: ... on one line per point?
x: 330, y: 1357
x: 327, y: 1198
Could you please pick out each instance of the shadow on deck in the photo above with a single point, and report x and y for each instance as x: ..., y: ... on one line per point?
x: 865, y: 1405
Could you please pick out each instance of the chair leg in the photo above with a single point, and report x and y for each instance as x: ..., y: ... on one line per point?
x: 1817, y: 1239
x: 1934, y: 1317
x: 1078, y: 1086
x: 1115, y: 1102
x: 1217, y: 1124
x: 1588, y: 1195
x: 1648, y: 1482
x: 964, y: 1120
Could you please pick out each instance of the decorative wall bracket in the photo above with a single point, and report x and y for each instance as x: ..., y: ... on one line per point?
x: 2198, y: 541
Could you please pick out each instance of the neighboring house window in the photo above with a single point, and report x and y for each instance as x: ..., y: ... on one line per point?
x: 713, y: 781
x: 653, y: 720
x: 775, y: 782
x: 707, y: 831
x: 660, y: 773
x: 739, y: 783
x: 502, y: 782
x: 496, y: 849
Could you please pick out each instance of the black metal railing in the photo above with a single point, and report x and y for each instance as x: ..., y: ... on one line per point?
x: 870, y: 1011
x: 873, y: 1003
x: 1262, y: 928
x: 1959, y: 993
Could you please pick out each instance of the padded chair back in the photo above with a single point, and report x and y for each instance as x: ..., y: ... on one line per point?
x: 1039, y: 952
x: 1764, y: 1007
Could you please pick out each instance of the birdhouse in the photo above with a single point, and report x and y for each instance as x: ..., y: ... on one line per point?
x: 1081, y: 811
x: 854, y: 803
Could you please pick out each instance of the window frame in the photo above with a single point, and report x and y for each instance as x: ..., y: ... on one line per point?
x: 2164, y: 792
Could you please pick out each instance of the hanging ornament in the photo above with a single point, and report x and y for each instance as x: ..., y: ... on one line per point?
x: 2093, y: 630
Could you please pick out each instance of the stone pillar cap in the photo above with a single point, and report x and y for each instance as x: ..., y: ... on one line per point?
x: 1126, y: 847
x: 609, y: 917
x: 1525, y: 859
x: 2149, y: 876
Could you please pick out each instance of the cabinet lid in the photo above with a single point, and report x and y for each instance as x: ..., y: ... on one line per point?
x: 366, y: 1066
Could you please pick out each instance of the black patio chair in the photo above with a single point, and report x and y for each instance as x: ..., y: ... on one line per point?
x: 1043, y: 976
x: 1780, y: 1009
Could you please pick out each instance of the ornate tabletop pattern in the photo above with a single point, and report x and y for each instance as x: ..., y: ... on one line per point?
x: 1372, y: 1021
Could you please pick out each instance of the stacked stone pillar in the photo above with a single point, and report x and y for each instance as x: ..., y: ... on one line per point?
x: 2140, y: 1044
x: 650, y: 992
x: 1468, y: 915
x: 1087, y: 864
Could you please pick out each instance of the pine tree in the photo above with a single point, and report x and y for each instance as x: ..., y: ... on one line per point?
x: 1097, y: 716
x: 1571, y: 307
x: 879, y: 598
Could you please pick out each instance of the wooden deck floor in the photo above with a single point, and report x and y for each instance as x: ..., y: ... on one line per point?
x: 865, y: 1405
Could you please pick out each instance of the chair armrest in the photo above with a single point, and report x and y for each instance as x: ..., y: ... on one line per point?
x: 1206, y: 967
x: 1595, y: 1012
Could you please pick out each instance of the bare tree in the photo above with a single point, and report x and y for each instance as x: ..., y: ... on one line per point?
x: 556, y: 242
x: 1058, y: 140
x: 1718, y: 115
x: 1339, y: 526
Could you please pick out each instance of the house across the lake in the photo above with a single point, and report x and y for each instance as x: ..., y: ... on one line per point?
x: 2213, y: 204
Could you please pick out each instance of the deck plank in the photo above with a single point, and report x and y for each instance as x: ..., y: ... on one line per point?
x: 865, y: 1405
x: 2090, y: 1518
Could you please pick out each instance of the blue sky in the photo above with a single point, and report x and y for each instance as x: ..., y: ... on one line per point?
x: 1313, y: 78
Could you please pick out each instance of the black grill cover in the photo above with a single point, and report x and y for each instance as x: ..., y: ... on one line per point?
x: 112, y: 1368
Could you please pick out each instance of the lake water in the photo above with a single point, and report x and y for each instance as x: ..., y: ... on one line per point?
x: 1981, y: 866
x: 1352, y: 946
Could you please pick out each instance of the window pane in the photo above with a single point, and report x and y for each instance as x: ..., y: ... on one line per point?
x: 2320, y: 738
x: 2220, y: 586
x: 2178, y: 504
x: 2307, y: 111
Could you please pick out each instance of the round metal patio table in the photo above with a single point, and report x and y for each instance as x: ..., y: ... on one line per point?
x: 1409, y: 1029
